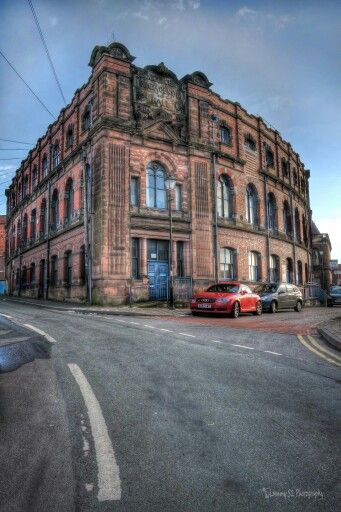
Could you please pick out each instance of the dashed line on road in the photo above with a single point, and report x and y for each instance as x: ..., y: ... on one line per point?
x: 242, y: 346
x: 42, y: 333
x: 6, y: 316
x: 275, y: 353
x: 311, y: 344
x: 149, y: 326
x: 185, y: 334
x: 216, y: 341
x: 166, y: 330
x: 109, y: 482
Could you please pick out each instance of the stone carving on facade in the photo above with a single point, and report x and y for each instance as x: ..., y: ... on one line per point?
x: 116, y: 50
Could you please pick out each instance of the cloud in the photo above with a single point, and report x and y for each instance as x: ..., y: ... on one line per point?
x: 162, y: 21
x: 194, y: 4
x: 141, y: 15
x: 332, y: 227
x: 53, y: 21
x: 179, y: 4
x: 245, y: 11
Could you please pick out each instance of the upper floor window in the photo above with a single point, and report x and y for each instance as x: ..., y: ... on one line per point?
x: 54, y: 210
x: 34, y: 176
x: 134, y: 191
x: 287, y: 218
x: 43, y: 217
x: 295, y: 177
x: 225, y: 197
x: 297, y: 226
x: 305, y: 234
x: 69, y: 137
x: 269, y: 157
x: 227, y: 263
x: 69, y: 200
x: 272, y: 212
x: 178, y: 197
x: 254, y: 266
x: 156, y: 191
x: 250, y: 142
x: 25, y: 229
x: 225, y: 135
x: 56, y: 155
x: 33, y: 224
x: 251, y: 205
x: 285, y: 168
x: 44, y: 168
x: 274, y: 268
x: 25, y: 187
x: 86, y: 119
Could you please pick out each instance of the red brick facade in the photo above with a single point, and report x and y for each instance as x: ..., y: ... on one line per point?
x: 122, y: 121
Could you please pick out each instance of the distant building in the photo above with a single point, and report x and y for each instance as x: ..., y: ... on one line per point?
x: 2, y: 253
x: 335, y: 268
x: 321, y: 249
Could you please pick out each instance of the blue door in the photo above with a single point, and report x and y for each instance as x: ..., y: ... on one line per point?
x: 158, y: 280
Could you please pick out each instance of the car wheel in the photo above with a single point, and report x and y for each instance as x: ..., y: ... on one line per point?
x: 330, y: 304
x: 273, y: 307
x: 236, y: 310
x: 258, y: 311
x: 194, y: 313
x: 298, y: 306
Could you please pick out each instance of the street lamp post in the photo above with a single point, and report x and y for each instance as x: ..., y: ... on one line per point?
x: 170, y: 184
x: 215, y: 122
x: 322, y: 276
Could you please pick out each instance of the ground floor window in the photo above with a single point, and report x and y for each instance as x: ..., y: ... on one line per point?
x: 289, y: 271
x: 274, y: 268
x: 32, y: 274
x: 254, y: 266
x: 180, y: 264
x: 299, y: 272
x: 158, y: 250
x: 135, y: 258
x: 227, y: 263
x: 54, y: 271
x: 68, y: 268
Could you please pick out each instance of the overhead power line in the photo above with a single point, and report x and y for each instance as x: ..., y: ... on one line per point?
x: 46, y: 49
x: 13, y: 149
x: 21, y: 78
x: 17, y: 142
x: 3, y: 159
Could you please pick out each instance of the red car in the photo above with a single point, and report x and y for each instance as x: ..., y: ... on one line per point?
x: 227, y: 297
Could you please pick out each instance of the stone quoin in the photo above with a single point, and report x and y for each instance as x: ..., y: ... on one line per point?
x: 88, y: 212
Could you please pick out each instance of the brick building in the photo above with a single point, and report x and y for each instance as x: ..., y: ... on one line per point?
x: 88, y: 210
x: 321, y: 249
x: 2, y: 253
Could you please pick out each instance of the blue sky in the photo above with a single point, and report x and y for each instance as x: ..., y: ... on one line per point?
x: 280, y: 60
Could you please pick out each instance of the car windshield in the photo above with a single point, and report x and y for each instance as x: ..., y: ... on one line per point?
x: 335, y: 290
x: 266, y: 288
x: 224, y: 288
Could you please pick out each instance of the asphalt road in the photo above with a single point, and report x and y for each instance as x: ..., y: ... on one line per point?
x: 136, y: 414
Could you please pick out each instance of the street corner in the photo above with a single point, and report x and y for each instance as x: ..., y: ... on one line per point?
x: 316, y: 345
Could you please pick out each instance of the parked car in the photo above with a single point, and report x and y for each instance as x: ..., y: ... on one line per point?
x: 227, y: 297
x: 275, y: 296
x: 334, y: 296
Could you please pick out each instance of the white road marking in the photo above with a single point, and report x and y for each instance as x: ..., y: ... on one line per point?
x: 134, y: 323
x: 6, y: 316
x: 150, y: 326
x: 242, y: 346
x: 216, y: 341
x: 47, y: 336
x: 109, y: 483
x: 165, y: 330
x: 119, y: 320
x: 185, y: 334
x: 270, y: 352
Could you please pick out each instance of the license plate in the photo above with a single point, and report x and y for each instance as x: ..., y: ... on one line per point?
x: 204, y: 306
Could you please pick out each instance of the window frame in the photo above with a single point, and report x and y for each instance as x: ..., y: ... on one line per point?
x: 135, y: 258
x: 228, y: 264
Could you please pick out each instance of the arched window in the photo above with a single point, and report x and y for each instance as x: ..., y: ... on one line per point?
x: 287, y: 219
x: 250, y: 142
x: 25, y: 189
x: 34, y: 177
x: 227, y: 263
x: 316, y: 258
x: 54, y: 270
x: 32, y: 274
x: 69, y: 201
x: 69, y: 137
x: 24, y: 229
x: 156, y: 191
x: 18, y: 234
x: 251, y: 205
x: 254, y: 266
x: 86, y: 118
x: 19, y: 193
x: 56, y: 155
x: 274, y: 268
x: 33, y: 225
x: 269, y: 157
x: 272, y: 212
x: 306, y: 271
x: 299, y: 272
x: 289, y: 270
x: 54, y: 210
x: 305, y: 234
x: 82, y: 269
x: 297, y: 226
x: 295, y: 177
x: 44, y: 169
x: 225, y: 197
x: 225, y: 135
x: 68, y: 268
x: 42, y: 227
x: 285, y: 168
x: 24, y: 276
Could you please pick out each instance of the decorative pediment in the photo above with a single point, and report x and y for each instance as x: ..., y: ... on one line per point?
x: 162, y: 70
x: 161, y: 131
x: 197, y: 78
x: 116, y: 50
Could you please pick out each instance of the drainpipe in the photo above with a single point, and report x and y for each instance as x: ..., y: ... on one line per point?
x: 215, y: 120
x: 267, y: 226
x: 87, y: 180
x: 48, y: 226
x: 20, y: 255
x: 293, y: 228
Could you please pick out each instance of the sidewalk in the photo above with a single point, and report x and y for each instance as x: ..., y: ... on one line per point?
x: 135, y: 310
x: 331, y: 332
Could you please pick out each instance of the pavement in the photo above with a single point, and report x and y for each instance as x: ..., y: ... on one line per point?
x: 331, y: 332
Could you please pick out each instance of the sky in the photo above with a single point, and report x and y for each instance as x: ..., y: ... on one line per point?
x: 280, y: 60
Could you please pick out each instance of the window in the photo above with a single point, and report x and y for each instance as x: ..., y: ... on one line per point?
x: 225, y: 197
x: 135, y: 258
x: 24, y: 277
x: 287, y: 219
x: 68, y: 269
x: 299, y: 273
x: 295, y: 176
x: 289, y: 271
x: 25, y: 187
x: 33, y: 224
x: 25, y: 230
x: 34, y: 177
x: 86, y: 119
x: 306, y: 272
x: 17, y: 278
x: 56, y: 155
x: 32, y: 274
x: 44, y: 169
x: 82, y: 266
x: 18, y: 234
x: 54, y: 210
x: 54, y: 271
x: 69, y: 137
x: 134, y: 191
x: 180, y: 263
x: 272, y: 212
x: 225, y: 135
x: 157, y: 250
x: 178, y: 197
x: 254, y: 266
x: 251, y: 205
x: 156, y: 192
x: 43, y: 217
x: 297, y: 226
x: 274, y: 268
x: 69, y: 201
x: 269, y: 157
x: 227, y: 263
x: 305, y: 234
x: 250, y: 142
x: 285, y: 168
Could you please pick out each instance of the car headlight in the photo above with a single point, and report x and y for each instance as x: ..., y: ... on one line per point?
x: 222, y: 300
x: 266, y: 298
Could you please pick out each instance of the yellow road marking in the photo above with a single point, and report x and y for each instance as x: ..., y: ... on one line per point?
x: 316, y: 352
x: 324, y: 350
